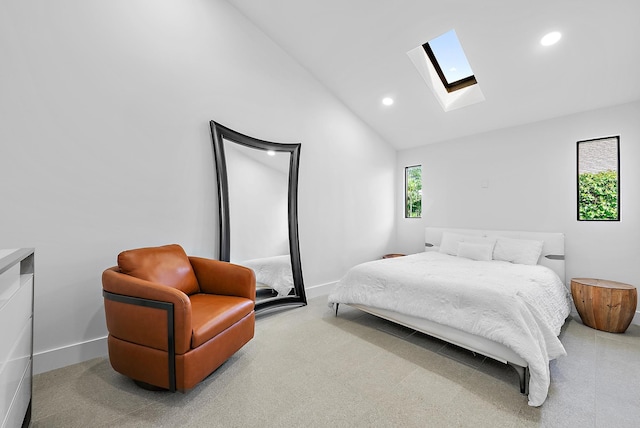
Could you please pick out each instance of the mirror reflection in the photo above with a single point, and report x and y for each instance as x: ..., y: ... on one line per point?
x: 258, y: 202
x: 258, y: 205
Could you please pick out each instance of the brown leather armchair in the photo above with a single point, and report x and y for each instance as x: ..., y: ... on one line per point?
x: 174, y: 319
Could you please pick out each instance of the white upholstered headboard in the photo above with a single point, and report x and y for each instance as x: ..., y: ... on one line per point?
x: 552, y: 251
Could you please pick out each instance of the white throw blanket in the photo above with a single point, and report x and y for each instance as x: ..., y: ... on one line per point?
x: 522, y: 307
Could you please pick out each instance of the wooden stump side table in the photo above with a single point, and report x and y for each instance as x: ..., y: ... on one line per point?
x: 604, y: 305
x: 393, y: 255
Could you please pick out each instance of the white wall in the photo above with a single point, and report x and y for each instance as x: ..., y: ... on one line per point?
x: 531, y: 175
x: 106, y: 146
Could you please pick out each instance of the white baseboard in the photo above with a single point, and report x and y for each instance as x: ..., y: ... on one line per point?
x: 319, y: 290
x: 67, y: 355
x: 72, y: 354
x: 79, y: 352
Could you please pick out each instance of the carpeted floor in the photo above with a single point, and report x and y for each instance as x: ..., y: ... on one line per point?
x: 307, y: 368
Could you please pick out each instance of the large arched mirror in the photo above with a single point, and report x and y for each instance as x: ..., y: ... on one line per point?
x: 258, y: 203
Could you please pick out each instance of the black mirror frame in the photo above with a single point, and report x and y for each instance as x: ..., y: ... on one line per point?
x: 219, y: 133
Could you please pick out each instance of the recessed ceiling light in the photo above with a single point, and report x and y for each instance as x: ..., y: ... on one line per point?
x: 550, y: 39
x: 387, y: 101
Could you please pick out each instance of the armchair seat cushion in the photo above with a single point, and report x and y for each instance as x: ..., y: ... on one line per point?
x: 212, y: 314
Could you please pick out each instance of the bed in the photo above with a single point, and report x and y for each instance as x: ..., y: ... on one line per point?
x: 273, y: 274
x: 497, y: 293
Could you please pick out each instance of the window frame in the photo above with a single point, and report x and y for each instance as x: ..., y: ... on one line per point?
x: 406, y: 191
x: 617, y: 146
x: 453, y: 86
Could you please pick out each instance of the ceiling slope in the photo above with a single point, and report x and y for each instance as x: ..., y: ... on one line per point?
x: 358, y: 49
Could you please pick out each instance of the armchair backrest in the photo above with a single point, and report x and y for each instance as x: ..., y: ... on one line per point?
x: 167, y: 265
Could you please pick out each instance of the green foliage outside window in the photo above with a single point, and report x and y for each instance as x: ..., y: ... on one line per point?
x: 413, y: 191
x: 598, y: 196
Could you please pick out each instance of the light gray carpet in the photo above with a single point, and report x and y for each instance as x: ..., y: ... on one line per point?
x: 307, y: 368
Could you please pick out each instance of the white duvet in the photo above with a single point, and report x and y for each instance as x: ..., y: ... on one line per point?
x: 522, y: 307
x: 274, y: 272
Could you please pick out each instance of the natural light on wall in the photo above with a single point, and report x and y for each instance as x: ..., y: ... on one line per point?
x: 445, y: 69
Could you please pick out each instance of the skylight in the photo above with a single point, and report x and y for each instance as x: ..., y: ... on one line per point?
x: 448, y: 58
x: 445, y: 69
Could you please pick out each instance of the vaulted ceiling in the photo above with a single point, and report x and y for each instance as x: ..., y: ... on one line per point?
x: 358, y: 50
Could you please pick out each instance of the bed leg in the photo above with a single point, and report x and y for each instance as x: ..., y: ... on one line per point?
x: 337, y: 305
x: 523, y: 374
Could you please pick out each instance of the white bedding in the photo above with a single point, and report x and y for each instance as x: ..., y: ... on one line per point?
x: 274, y: 272
x: 520, y: 306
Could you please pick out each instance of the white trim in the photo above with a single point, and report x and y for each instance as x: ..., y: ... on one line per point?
x: 320, y: 290
x: 63, y: 356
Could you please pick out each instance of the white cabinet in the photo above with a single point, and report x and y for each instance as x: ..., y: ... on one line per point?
x: 16, y: 336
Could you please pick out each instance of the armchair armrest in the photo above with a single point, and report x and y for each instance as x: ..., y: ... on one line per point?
x: 142, y: 325
x: 224, y: 278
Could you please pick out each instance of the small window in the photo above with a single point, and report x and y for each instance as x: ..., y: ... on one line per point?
x: 446, y: 54
x: 413, y: 191
x: 599, y: 179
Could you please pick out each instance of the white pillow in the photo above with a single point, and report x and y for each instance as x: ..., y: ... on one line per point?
x: 450, y: 241
x: 521, y: 251
x: 475, y: 251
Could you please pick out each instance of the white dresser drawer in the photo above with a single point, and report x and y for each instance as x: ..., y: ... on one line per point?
x: 20, y: 403
x: 16, y: 336
x: 14, y: 371
x: 15, y: 313
x: 9, y: 284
